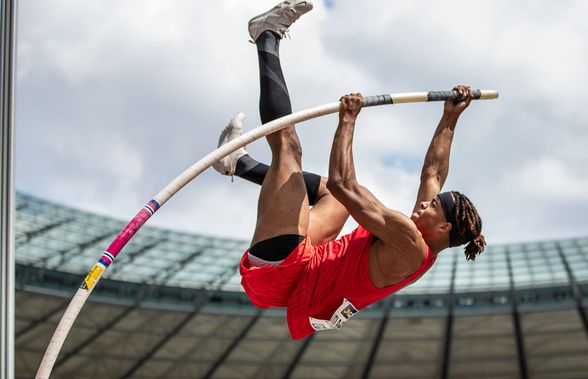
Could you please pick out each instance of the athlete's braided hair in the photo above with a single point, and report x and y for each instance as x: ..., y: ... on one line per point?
x: 469, y: 226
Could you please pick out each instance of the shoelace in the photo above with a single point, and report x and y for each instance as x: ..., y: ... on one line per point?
x: 292, y: 16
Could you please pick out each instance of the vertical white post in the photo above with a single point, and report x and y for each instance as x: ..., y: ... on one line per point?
x: 7, y: 68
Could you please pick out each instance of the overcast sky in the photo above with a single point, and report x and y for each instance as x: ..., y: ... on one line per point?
x: 115, y: 98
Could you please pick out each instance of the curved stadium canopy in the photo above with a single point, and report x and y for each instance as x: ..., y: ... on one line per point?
x: 55, y: 237
x: 171, y: 306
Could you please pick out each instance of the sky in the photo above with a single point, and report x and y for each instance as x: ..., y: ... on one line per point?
x: 114, y: 99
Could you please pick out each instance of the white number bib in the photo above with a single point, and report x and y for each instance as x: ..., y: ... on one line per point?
x: 342, y: 314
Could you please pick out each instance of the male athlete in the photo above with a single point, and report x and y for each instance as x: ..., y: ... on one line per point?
x: 294, y: 260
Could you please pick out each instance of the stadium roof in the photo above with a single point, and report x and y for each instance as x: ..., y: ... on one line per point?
x: 518, y: 311
x: 59, y: 238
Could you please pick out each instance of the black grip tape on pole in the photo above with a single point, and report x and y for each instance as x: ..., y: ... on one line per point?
x: 449, y: 95
x: 371, y: 101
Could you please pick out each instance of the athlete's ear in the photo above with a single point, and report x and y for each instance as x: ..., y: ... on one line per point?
x: 444, y: 227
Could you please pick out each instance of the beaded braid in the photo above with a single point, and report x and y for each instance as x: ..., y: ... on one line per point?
x: 469, y: 226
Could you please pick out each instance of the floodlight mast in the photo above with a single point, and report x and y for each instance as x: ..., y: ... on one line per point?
x: 7, y: 74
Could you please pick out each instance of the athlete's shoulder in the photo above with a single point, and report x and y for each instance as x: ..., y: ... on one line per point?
x: 404, y: 230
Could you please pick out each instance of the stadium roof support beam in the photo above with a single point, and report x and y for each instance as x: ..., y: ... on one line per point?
x: 224, y: 277
x: 76, y: 350
x: 575, y: 289
x: 199, y: 305
x: 449, y: 323
x: 521, y: 354
x: 377, y: 340
x: 42, y: 319
x: 173, y: 270
x: 28, y: 236
x: 292, y: 366
x: 67, y: 253
x: 221, y: 359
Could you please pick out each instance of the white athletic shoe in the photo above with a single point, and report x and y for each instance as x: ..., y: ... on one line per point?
x: 234, y: 129
x: 279, y: 18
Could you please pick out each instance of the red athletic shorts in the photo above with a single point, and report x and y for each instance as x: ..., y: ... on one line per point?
x: 271, y: 286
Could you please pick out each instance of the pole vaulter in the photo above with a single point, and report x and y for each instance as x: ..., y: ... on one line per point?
x: 196, y: 169
x: 108, y: 257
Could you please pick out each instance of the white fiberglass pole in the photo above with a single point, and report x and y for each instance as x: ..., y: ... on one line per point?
x: 196, y: 169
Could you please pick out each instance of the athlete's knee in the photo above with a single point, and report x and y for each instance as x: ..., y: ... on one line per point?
x: 293, y: 148
x: 287, y: 144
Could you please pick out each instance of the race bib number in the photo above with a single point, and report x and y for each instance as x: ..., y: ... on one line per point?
x: 342, y: 314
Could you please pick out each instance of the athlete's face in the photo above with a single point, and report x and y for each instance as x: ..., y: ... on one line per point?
x: 429, y: 216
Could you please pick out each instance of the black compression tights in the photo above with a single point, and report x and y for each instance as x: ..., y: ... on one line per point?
x: 274, y: 102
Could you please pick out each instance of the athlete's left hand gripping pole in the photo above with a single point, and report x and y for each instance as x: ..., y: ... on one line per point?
x: 152, y: 206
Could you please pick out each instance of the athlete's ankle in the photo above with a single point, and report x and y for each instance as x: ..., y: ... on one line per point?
x: 245, y: 164
x: 269, y: 42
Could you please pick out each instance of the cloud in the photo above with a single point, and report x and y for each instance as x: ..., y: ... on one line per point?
x: 114, y: 99
x: 550, y: 179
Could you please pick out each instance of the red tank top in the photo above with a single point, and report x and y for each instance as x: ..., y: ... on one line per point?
x: 339, y: 271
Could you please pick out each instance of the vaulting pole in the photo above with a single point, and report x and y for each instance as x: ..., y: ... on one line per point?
x: 171, y: 189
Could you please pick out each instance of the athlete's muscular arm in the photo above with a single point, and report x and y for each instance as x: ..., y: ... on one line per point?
x: 362, y: 205
x: 436, y: 166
